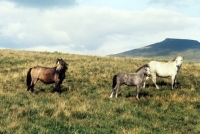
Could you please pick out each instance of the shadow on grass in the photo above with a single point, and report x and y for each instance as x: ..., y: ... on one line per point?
x: 142, y: 94
x: 167, y: 85
x: 145, y: 94
x: 159, y: 83
x: 64, y: 89
x: 43, y: 90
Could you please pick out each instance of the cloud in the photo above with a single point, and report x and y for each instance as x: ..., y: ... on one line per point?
x: 90, y: 30
x: 44, y: 3
x: 183, y: 3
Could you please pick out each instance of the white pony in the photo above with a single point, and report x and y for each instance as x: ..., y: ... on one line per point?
x: 165, y: 69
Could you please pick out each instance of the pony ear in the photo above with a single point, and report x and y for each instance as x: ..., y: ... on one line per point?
x: 57, y: 61
x: 146, y: 65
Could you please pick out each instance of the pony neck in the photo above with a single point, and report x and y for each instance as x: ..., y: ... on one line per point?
x: 141, y: 71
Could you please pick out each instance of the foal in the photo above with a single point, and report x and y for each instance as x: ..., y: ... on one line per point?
x: 134, y: 79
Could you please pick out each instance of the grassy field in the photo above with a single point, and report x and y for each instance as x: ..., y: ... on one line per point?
x: 84, y: 105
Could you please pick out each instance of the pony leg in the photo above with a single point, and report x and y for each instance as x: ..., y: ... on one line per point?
x: 114, y: 86
x: 111, y: 95
x: 117, y: 89
x: 29, y: 86
x: 113, y: 91
x: 33, y: 82
x: 144, y: 84
x: 57, y: 87
x: 154, y: 80
x: 137, y: 92
x: 173, y: 82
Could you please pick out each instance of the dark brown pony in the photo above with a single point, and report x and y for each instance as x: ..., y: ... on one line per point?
x: 47, y: 75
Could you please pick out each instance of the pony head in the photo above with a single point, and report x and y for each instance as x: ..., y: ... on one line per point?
x: 147, y: 70
x: 61, y: 65
x: 179, y: 60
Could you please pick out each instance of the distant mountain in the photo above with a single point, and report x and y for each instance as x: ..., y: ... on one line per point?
x: 166, y: 49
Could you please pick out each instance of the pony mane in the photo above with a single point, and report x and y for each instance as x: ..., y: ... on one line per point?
x: 146, y: 65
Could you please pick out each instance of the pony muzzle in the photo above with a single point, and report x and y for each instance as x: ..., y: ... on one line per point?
x: 149, y: 75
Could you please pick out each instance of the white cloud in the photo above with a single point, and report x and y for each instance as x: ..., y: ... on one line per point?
x: 91, y: 30
x: 182, y: 3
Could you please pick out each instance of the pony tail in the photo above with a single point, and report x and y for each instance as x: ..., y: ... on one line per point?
x: 28, y: 78
x: 114, y: 81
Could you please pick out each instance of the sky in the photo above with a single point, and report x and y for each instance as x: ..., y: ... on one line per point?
x: 95, y: 27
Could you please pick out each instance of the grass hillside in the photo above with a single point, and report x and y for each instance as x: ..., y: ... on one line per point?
x: 84, y: 105
x: 166, y: 49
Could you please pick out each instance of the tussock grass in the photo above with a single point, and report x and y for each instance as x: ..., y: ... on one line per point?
x: 84, y: 105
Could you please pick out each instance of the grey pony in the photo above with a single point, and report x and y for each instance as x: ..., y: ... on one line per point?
x: 135, y: 79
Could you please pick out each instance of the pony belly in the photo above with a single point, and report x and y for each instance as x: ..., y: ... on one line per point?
x: 163, y: 74
x: 47, y: 78
x: 48, y: 82
x: 163, y: 69
x: 130, y: 84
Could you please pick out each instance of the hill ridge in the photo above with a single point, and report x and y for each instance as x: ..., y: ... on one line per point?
x: 169, y: 47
